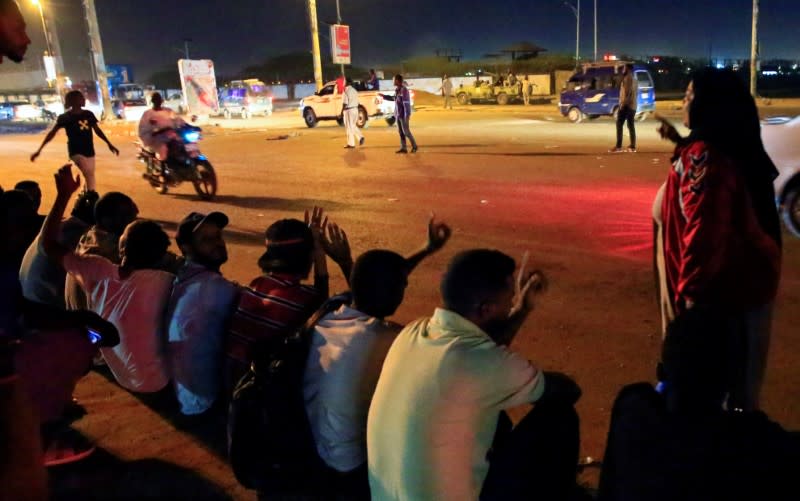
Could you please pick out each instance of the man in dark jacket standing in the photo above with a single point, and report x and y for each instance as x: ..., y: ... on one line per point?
x: 627, y: 109
x: 402, y: 111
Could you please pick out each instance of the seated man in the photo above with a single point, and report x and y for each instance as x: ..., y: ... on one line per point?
x: 48, y: 350
x: 23, y: 225
x: 345, y: 359
x: 112, y: 214
x: 443, y: 386
x: 132, y: 295
x: 278, y: 302
x: 42, y: 279
x: 32, y: 189
x: 200, y: 307
x: 680, y: 443
x: 157, y: 127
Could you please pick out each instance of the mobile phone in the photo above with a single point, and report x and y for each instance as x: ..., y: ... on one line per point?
x: 94, y: 336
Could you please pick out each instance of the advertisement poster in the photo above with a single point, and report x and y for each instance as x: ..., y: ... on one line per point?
x: 199, y: 85
x: 340, y: 44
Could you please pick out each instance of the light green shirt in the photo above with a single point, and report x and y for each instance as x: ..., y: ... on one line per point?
x: 435, y: 409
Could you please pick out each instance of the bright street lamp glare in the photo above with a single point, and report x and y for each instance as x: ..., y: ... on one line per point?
x: 35, y: 2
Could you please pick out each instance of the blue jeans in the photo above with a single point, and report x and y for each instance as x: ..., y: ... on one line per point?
x: 405, y: 132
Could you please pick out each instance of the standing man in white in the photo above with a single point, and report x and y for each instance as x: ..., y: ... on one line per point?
x: 350, y: 115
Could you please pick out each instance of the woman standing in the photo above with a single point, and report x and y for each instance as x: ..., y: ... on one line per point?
x: 721, y: 233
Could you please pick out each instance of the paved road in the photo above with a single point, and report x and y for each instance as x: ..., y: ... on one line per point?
x: 511, y: 178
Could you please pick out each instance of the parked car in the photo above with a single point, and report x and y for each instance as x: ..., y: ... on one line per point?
x: 129, y: 102
x: 781, y: 136
x: 594, y: 91
x: 245, y: 98
x: 19, y: 110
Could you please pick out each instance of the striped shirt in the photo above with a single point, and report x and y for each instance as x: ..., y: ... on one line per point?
x: 273, y: 306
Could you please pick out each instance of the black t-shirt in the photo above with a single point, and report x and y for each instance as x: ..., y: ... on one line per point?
x: 79, y: 132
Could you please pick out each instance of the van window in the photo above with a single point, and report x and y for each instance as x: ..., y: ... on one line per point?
x: 644, y: 79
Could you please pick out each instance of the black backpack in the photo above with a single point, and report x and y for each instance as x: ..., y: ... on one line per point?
x: 270, y: 444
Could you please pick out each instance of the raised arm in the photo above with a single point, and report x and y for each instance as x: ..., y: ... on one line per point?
x: 438, y: 235
x: 317, y: 222
x: 528, y: 284
x: 337, y: 247
x: 66, y: 185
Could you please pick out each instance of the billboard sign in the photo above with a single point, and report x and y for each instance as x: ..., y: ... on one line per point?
x: 340, y: 44
x: 199, y: 85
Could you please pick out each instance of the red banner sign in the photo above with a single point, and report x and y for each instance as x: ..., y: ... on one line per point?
x: 340, y: 44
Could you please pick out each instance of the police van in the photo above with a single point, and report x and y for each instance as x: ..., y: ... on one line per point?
x: 593, y: 91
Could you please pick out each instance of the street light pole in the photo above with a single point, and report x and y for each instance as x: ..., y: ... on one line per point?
x: 595, y: 30
x: 186, y: 48
x: 52, y: 44
x: 754, y: 52
x: 311, y: 6
x: 98, y: 60
x: 577, y: 12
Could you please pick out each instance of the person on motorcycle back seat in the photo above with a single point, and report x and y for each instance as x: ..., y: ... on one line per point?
x: 157, y: 127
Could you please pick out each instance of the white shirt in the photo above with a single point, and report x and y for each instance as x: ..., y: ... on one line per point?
x: 434, y: 413
x: 162, y: 118
x: 350, y: 97
x: 135, y: 305
x: 344, y: 363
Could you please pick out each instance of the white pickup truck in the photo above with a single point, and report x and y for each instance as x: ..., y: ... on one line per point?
x: 326, y: 104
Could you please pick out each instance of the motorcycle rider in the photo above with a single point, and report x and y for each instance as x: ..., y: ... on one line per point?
x: 157, y: 127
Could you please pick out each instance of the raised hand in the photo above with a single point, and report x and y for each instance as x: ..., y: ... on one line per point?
x: 438, y: 234
x: 527, y: 285
x: 66, y: 185
x: 336, y: 244
x: 666, y: 130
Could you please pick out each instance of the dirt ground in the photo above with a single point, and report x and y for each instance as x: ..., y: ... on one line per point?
x: 512, y: 178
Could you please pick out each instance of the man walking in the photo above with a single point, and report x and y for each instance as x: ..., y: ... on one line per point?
x: 402, y: 111
x: 527, y: 88
x: 627, y: 109
x: 447, y: 92
x: 350, y: 115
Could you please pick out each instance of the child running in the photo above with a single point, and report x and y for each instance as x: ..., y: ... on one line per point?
x: 79, y: 124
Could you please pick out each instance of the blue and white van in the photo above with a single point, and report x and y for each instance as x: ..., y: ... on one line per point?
x: 593, y: 91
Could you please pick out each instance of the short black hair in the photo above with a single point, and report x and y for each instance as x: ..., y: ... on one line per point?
x: 84, y: 206
x: 378, y: 281
x: 473, y: 277
x: 399, y: 77
x: 110, y: 204
x: 30, y: 187
x: 290, y: 247
x: 145, y: 245
x: 71, y: 96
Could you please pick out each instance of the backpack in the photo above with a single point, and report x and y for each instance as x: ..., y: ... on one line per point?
x: 270, y: 444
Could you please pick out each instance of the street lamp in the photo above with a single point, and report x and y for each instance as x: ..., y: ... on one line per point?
x: 577, y: 12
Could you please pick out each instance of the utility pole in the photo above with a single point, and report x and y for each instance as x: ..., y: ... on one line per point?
x: 99, y: 62
x: 754, y: 52
x: 577, y: 12
x: 311, y: 6
x: 186, y: 42
x: 339, y: 21
x: 595, y: 30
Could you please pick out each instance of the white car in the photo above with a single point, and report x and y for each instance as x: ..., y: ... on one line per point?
x: 781, y: 136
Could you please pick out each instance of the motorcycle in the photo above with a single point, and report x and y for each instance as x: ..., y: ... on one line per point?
x: 184, y: 163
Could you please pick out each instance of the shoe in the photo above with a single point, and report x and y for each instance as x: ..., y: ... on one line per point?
x: 348, y: 147
x: 67, y: 447
x: 630, y: 149
x: 402, y: 150
x: 361, y: 142
x: 615, y: 150
x: 414, y: 149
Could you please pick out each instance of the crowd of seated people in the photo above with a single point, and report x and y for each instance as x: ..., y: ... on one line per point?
x: 396, y: 412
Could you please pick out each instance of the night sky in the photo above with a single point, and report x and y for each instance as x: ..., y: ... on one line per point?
x: 235, y: 33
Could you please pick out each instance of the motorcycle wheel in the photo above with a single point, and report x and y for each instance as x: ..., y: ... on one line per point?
x: 156, y: 179
x: 206, y: 183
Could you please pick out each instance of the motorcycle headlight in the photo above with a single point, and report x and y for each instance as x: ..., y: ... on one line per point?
x: 191, y: 136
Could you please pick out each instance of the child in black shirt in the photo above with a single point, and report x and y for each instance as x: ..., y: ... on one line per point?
x: 79, y: 124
